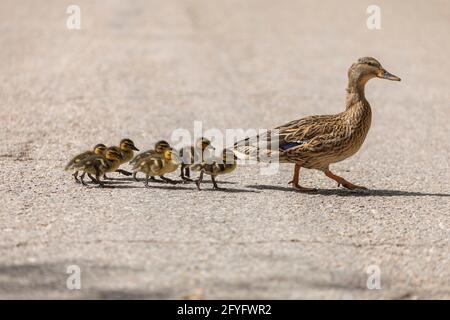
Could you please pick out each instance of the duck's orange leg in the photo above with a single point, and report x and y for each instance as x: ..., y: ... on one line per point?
x: 295, y: 181
x: 342, y: 181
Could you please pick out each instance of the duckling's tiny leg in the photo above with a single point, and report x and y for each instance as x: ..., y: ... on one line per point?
x: 185, y: 173
x: 82, y: 179
x: 146, y: 181
x: 124, y: 172
x: 168, y: 180
x: 75, y: 175
x: 215, y: 186
x: 199, y: 180
x: 92, y: 178
x: 188, y: 172
x: 296, y: 179
x: 342, y: 181
x: 97, y: 177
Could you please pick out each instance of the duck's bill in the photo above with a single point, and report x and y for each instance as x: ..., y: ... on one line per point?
x: 134, y: 148
x: 389, y: 76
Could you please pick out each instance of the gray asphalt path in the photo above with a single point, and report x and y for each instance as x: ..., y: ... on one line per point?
x: 142, y: 69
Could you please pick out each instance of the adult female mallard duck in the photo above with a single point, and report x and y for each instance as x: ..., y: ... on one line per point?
x: 315, y: 142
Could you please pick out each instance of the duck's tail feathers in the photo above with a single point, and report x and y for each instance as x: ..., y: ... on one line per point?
x: 257, y: 148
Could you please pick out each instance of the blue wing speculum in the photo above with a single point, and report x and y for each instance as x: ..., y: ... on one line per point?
x: 292, y: 144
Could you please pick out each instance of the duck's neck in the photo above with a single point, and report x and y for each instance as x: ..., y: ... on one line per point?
x: 358, y: 110
x: 355, y: 93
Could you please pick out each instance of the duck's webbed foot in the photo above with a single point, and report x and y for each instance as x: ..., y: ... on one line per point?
x: 215, y: 186
x: 199, y: 181
x: 124, y: 172
x: 82, y: 179
x: 147, y: 177
x: 75, y: 176
x: 185, y: 173
x: 107, y: 178
x: 301, y: 189
x: 343, y: 182
x: 295, y: 181
x: 168, y: 180
x: 94, y: 180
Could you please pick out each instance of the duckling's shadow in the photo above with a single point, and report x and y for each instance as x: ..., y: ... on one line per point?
x: 178, y: 181
x: 228, y: 190
x: 167, y: 186
x: 113, y: 186
x: 354, y: 193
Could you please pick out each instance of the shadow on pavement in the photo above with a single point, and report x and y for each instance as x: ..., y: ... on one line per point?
x: 49, y: 280
x: 353, y: 193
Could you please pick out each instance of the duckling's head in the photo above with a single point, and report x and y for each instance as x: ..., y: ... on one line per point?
x: 203, y: 143
x: 113, y: 153
x: 168, y: 154
x: 99, y: 149
x: 127, y: 145
x: 367, y: 68
x: 161, y: 146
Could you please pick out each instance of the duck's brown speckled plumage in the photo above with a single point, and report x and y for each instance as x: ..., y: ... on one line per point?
x: 315, y: 142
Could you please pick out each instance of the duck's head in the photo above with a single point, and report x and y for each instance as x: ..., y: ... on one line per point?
x: 127, y: 145
x: 168, y: 154
x: 203, y: 143
x: 161, y: 146
x: 367, y: 68
x: 99, y: 149
x: 114, y: 154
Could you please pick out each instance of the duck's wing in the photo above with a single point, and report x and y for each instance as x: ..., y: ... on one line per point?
x: 151, y: 163
x: 274, y: 144
x: 143, y: 155
x: 77, y: 159
x: 93, y: 161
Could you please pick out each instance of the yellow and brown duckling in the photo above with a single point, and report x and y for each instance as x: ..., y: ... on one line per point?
x: 158, y: 165
x: 195, y: 154
x: 316, y: 142
x: 99, y: 149
x: 216, y: 166
x: 160, y: 147
x: 127, y: 148
x: 97, y: 165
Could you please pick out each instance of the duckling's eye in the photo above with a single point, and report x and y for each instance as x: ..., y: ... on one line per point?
x: 372, y: 64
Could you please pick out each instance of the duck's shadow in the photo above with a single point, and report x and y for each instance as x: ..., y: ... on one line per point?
x: 354, y: 193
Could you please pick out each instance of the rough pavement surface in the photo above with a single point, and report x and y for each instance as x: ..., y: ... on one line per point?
x: 142, y: 69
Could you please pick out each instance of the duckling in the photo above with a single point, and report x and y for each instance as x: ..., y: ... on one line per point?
x: 191, y: 155
x: 315, y: 142
x: 99, y: 164
x: 160, y: 147
x: 157, y: 165
x: 99, y: 149
x: 216, y: 166
x: 126, y: 146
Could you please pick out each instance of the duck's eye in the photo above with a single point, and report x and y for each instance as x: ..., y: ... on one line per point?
x: 372, y: 64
